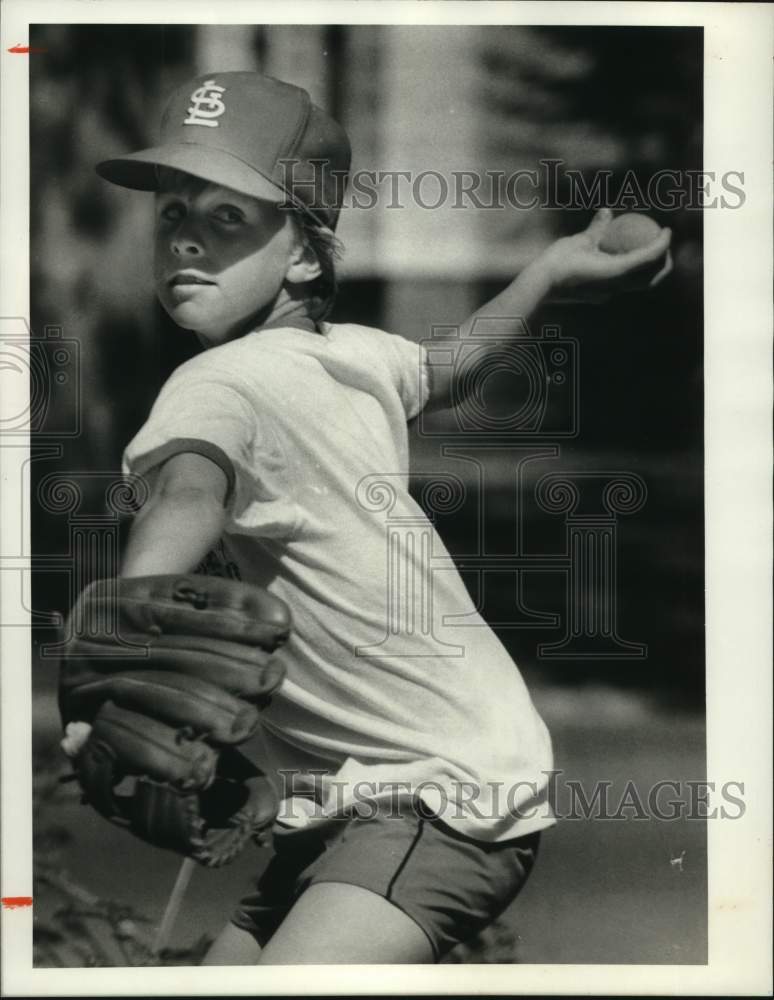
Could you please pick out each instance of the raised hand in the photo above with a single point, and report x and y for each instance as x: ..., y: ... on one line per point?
x: 579, y: 270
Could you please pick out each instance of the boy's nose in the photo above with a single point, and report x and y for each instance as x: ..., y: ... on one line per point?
x: 185, y: 239
x: 185, y: 248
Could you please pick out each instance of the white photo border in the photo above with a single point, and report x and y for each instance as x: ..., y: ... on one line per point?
x: 738, y: 329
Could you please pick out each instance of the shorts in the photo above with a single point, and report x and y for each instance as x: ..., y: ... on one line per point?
x: 451, y: 886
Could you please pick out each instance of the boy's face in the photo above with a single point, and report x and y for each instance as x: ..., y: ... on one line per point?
x: 220, y: 257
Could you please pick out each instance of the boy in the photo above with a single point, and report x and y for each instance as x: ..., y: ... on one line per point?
x: 258, y: 448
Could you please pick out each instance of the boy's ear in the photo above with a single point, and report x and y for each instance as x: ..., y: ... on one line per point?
x: 303, y: 265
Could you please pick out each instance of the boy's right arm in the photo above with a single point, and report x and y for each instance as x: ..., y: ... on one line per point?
x: 182, y: 520
x: 575, y: 265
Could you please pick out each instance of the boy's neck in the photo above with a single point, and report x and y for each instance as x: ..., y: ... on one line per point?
x: 296, y: 322
x: 290, y: 312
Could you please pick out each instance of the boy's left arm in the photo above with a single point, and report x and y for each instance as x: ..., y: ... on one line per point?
x: 572, y: 268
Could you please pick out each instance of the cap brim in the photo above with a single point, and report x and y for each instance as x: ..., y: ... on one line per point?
x: 139, y: 171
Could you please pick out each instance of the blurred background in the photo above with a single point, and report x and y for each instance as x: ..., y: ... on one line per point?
x: 626, y: 101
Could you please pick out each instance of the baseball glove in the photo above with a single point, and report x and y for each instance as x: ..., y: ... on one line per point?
x: 161, y: 678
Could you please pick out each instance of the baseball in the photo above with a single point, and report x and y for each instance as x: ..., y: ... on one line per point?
x: 629, y: 232
x: 76, y: 735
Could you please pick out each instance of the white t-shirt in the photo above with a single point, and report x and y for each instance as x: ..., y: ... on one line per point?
x: 393, y: 682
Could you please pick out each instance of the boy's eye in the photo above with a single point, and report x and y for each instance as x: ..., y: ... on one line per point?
x: 172, y: 211
x: 228, y: 213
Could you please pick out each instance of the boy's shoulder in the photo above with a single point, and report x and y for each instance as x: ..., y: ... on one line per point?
x: 365, y: 336
x: 261, y: 355
x: 290, y: 339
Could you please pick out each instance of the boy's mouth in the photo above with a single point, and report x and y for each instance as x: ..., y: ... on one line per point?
x: 189, y: 278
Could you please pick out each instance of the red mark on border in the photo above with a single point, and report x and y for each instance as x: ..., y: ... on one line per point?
x: 26, y: 50
x: 12, y: 902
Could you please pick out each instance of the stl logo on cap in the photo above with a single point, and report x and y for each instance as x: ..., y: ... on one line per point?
x: 207, y: 105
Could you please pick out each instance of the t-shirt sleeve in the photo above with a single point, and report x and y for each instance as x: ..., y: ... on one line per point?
x: 210, y: 414
x: 410, y: 372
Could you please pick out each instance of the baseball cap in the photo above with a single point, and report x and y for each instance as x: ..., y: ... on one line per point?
x: 249, y: 132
